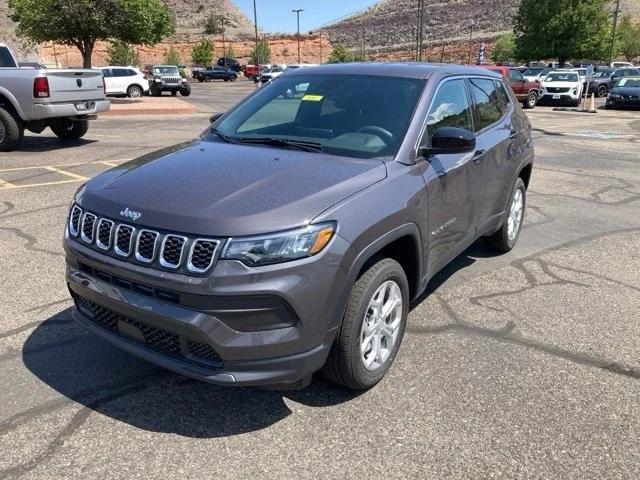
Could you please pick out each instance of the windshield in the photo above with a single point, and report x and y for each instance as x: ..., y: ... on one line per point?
x: 562, y: 77
x: 165, y: 70
x: 629, y: 83
x: 351, y: 115
x: 602, y: 73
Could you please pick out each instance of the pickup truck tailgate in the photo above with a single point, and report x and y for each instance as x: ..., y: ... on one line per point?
x: 74, y: 85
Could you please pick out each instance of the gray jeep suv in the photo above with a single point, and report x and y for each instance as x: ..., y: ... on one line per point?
x: 292, y: 234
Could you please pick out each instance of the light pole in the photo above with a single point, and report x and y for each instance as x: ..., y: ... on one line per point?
x: 297, y: 12
x: 255, y: 24
x: 470, y: 40
x: 613, y: 37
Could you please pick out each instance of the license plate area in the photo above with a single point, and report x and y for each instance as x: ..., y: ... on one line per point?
x: 556, y: 96
x: 84, y: 106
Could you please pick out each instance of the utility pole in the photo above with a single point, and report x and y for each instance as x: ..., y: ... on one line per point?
x: 470, y: 41
x: 255, y: 24
x: 297, y: 12
x: 419, y: 29
x: 613, y: 37
x: 442, y: 53
x: 224, y: 50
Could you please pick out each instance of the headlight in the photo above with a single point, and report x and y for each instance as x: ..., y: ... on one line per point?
x: 280, y: 247
x: 158, y: 80
x: 614, y: 95
x: 184, y: 80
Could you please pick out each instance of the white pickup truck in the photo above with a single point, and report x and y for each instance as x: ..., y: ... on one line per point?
x: 36, y: 98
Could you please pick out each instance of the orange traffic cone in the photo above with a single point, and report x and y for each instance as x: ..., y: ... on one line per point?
x: 592, y: 106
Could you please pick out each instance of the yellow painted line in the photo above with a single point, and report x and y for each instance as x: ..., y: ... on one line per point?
x: 64, y: 172
x: 75, y: 164
x: 39, y: 184
x: 5, y: 184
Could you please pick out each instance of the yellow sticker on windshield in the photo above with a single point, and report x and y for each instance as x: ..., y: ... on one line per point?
x: 312, y: 98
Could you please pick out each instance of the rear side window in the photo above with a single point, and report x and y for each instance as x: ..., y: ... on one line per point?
x: 450, y: 108
x: 131, y: 73
x: 487, y: 104
x: 6, y: 60
x: 120, y: 72
x: 505, y: 99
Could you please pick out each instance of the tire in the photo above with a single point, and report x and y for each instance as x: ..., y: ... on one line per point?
x: 185, y: 91
x: 174, y: 93
x: 11, y: 131
x: 134, y: 91
x: 346, y: 365
x: 531, y: 100
x: 601, y: 92
x: 69, y: 130
x: 155, y: 91
x: 506, y: 237
x: 207, y: 78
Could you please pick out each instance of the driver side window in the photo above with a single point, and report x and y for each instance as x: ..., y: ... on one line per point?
x: 450, y: 108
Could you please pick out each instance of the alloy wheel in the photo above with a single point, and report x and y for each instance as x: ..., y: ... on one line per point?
x: 381, y: 325
x: 515, y: 214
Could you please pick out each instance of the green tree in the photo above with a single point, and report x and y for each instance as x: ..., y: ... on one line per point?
x: 231, y: 53
x: 202, y: 53
x: 504, y: 49
x: 562, y: 29
x: 341, y: 54
x: 81, y: 23
x: 260, y: 54
x: 172, y: 57
x: 628, y: 38
x: 122, y: 53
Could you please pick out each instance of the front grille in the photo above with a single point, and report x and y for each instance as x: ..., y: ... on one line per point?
x: 156, y: 339
x: 88, y: 227
x: 557, y: 90
x: 165, y: 251
x: 172, y: 80
x: 124, y: 239
x: 146, y: 246
x: 202, y: 255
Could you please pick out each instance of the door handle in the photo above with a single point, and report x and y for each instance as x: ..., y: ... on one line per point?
x: 478, y: 156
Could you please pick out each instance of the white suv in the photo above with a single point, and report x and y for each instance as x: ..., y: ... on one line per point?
x: 127, y: 81
x: 561, y: 86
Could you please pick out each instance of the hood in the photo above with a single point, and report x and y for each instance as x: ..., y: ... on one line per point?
x: 219, y: 189
x: 627, y: 91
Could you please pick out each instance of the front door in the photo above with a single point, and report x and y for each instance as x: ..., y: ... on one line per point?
x: 455, y: 187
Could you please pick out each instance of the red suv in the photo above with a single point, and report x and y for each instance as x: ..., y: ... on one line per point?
x: 526, y: 92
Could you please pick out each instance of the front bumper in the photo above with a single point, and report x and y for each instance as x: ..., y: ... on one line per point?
x: 285, y: 354
x: 561, y: 99
x: 623, y: 102
x: 42, y: 111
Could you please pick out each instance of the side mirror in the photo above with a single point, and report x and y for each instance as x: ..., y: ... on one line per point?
x: 215, y: 117
x: 447, y: 140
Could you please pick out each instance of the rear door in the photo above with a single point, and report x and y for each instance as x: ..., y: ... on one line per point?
x: 75, y: 85
x: 455, y: 187
x: 122, y: 78
x: 517, y: 82
x: 494, y: 129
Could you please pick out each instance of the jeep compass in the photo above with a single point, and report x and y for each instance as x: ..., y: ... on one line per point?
x: 291, y: 236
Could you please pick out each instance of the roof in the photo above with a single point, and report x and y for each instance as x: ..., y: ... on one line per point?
x: 390, y: 69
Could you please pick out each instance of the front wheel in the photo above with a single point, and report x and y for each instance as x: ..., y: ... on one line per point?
x: 507, y: 236
x: 531, y: 100
x: 69, y: 129
x: 185, y: 91
x: 372, y: 327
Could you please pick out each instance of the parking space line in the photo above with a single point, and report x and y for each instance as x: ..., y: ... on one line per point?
x: 44, y: 184
x: 111, y: 163
x: 5, y: 184
x: 63, y: 172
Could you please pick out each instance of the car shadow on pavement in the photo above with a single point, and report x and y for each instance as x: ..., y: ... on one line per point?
x: 106, y: 380
x: 35, y: 144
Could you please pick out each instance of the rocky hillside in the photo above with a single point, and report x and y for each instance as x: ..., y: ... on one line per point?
x: 390, y: 24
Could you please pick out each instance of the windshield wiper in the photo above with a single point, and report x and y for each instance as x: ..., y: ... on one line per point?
x: 222, y: 136
x: 282, y: 142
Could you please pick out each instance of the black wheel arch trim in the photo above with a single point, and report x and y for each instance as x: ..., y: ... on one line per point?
x: 409, y: 229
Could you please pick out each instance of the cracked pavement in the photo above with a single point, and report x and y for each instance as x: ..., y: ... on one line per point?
x: 525, y: 365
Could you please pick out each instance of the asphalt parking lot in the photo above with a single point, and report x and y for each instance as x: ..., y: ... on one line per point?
x: 525, y: 365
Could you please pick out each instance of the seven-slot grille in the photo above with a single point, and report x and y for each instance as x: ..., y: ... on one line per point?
x: 169, y: 251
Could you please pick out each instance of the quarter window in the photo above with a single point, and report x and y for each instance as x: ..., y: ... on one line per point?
x: 504, y: 96
x: 486, y: 99
x: 450, y: 108
x: 515, y: 76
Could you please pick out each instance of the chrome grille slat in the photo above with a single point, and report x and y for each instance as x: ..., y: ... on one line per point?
x: 87, y: 231
x: 104, y: 234
x: 125, y: 235
x: 147, y: 240
x: 143, y: 246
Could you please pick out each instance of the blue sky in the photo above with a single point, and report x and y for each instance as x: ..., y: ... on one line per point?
x: 276, y: 16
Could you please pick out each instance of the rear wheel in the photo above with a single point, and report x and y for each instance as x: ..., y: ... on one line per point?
x: 531, y: 100
x: 506, y: 238
x: 134, y: 91
x: 11, y: 131
x: 372, y: 327
x: 66, y: 129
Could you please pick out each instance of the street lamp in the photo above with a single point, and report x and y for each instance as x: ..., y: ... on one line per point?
x: 297, y: 12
